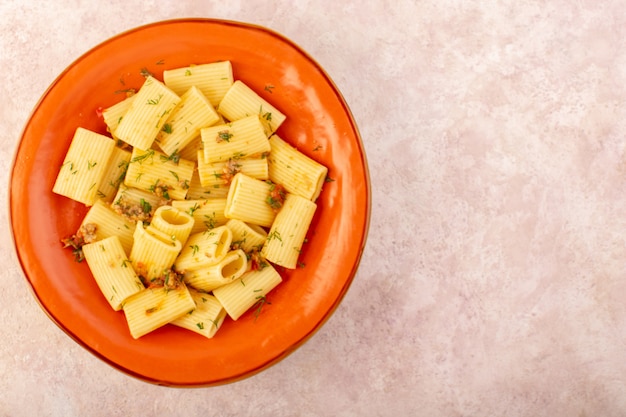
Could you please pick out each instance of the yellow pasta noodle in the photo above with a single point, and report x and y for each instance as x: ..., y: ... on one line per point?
x: 84, y: 166
x: 207, y: 213
x: 173, y: 222
x: 153, y: 252
x: 114, y: 175
x: 249, y: 290
x: 206, y: 319
x: 247, y: 201
x: 295, y: 171
x: 193, y: 113
x: 222, y: 173
x: 149, y: 110
x: 197, y: 192
x: 136, y: 204
x: 153, y: 308
x: 243, y: 138
x: 241, y: 101
x: 248, y: 237
x: 213, y: 79
x: 210, y: 277
x: 113, y: 115
x: 112, y: 270
x: 286, y: 236
x: 156, y: 172
x: 203, y: 249
x: 109, y: 223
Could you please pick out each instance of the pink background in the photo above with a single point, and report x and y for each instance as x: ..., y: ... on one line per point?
x: 494, y: 278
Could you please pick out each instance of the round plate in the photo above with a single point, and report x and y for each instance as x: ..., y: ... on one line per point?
x: 319, y: 124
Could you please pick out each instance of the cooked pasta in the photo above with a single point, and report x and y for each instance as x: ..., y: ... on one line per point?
x: 193, y: 113
x: 213, y: 79
x: 207, y: 213
x: 112, y: 270
x: 222, y: 173
x: 147, y: 114
x: 295, y: 171
x: 224, y: 271
x: 243, y: 138
x: 190, y: 215
x: 285, y: 238
x: 114, y: 174
x: 156, y: 172
x: 248, y: 237
x: 109, y: 223
x: 113, y: 115
x: 203, y: 249
x: 241, y: 101
x: 153, y: 308
x: 206, y: 319
x: 240, y: 295
x: 173, y: 222
x: 247, y: 201
x: 153, y: 252
x: 84, y: 166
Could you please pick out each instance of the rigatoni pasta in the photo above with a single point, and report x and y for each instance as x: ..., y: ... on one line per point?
x: 252, y: 288
x: 243, y: 138
x: 156, y: 172
x: 196, y: 206
x: 206, y: 318
x: 286, y: 236
x: 233, y: 265
x: 295, y: 171
x: 193, y: 113
x: 84, y: 166
x: 153, y: 308
x: 112, y: 270
x: 213, y: 79
x: 147, y: 114
x: 241, y: 101
x: 247, y: 201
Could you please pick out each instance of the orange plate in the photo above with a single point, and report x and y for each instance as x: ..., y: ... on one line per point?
x: 318, y: 122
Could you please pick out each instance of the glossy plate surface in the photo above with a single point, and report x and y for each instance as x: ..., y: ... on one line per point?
x: 318, y: 122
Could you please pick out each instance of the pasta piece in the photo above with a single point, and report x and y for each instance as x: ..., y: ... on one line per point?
x: 153, y: 252
x: 113, y: 115
x: 109, y: 223
x: 295, y: 171
x: 243, y: 138
x: 249, y: 290
x: 153, y: 308
x: 248, y: 201
x: 226, y: 270
x: 197, y: 192
x: 207, y: 213
x: 248, y: 237
x: 173, y: 222
x: 84, y: 166
x: 136, y: 204
x: 190, y: 152
x: 112, y: 270
x: 241, y: 101
x: 114, y: 175
x: 203, y: 249
x: 206, y: 319
x: 222, y: 173
x: 193, y: 113
x: 213, y: 79
x: 155, y: 172
x: 149, y: 110
x: 286, y: 236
